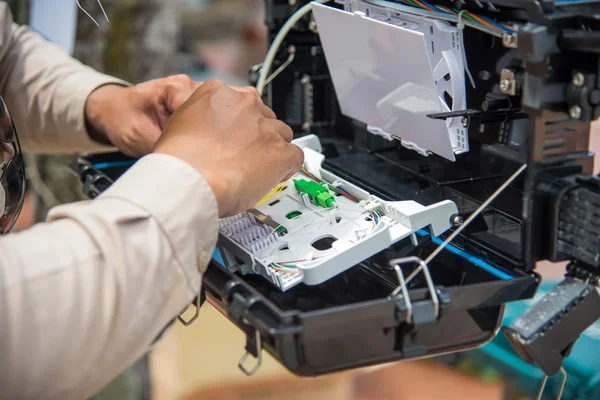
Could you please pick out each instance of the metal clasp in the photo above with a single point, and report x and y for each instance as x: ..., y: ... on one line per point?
x: 201, y: 269
x: 196, y: 305
x: 247, y: 353
x: 402, y: 288
x: 560, y: 390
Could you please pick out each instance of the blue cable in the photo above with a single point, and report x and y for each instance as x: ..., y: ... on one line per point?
x: 491, y: 21
x: 469, y: 257
x: 434, y: 7
x: 348, y: 193
x: 113, y: 164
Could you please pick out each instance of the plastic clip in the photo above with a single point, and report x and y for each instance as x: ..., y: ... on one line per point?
x: 247, y: 353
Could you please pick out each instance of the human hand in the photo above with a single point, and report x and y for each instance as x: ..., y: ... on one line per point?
x: 132, y: 118
x: 234, y: 141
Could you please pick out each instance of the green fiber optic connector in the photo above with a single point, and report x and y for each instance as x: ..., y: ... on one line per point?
x: 318, y: 192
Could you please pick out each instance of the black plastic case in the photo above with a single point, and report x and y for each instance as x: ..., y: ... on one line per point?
x: 353, y: 320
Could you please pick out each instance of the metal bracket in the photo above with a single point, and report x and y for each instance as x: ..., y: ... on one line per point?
x: 197, y: 304
x: 560, y: 390
x: 402, y: 288
x: 404, y: 291
x: 196, y: 314
x: 508, y: 82
x: 247, y: 353
x: 510, y: 41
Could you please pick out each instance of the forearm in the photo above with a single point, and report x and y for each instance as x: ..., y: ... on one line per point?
x: 46, y: 91
x: 84, y: 296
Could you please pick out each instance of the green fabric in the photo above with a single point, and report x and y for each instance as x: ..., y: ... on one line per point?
x: 133, y: 384
x: 127, y: 386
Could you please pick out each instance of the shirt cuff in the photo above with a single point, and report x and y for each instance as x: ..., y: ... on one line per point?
x: 182, y: 202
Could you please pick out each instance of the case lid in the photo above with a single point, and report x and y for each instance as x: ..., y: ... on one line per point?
x: 364, y: 53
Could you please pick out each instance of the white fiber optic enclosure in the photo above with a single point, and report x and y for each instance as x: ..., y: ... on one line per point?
x: 288, y: 239
x: 391, y: 69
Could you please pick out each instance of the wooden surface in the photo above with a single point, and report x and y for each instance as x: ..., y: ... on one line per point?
x: 200, y: 362
x: 205, y: 354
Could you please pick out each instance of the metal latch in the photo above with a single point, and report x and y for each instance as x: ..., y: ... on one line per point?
x: 202, y: 267
x: 254, y: 349
x: 238, y: 306
x: 422, y: 312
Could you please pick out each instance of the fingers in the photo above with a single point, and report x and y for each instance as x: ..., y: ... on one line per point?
x: 143, y: 142
x: 247, y: 89
x: 248, y: 92
x: 213, y: 84
x: 293, y: 161
x: 296, y: 157
x: 276, y: 126
x: 175, y: 97
x: 178, y: 90
x: 266, y: 111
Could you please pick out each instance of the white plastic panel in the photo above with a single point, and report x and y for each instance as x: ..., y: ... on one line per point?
x: 250, y: 245
x: 390, y: 70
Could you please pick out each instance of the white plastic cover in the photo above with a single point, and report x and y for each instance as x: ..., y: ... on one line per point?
x: 353, y: 237
x: 384, y: 76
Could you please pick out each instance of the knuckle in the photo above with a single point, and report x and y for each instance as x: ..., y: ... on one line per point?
x: 278, y: 144
x: 252, y: 90
x: 297, y: 156
x: 247, y: 98
x: 181, y: 78
x: 263, y: 123
x: 214, y: 84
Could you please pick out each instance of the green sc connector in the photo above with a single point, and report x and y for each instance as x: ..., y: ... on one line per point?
x: 318, y: 192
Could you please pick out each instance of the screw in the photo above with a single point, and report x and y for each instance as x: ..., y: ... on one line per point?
x: 306, y: 126
x: 505, y: 85
x: 575, y: 112
x: 305, y: 79
x: 485, y: 75
x: 292, y: 3
x: 457, y: 220
x: 509, y: 40
x: 464, y: 121
x: 312, y: 25
x: 578, y: 79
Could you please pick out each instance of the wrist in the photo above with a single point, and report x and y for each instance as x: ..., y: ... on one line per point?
x: 97, y: 109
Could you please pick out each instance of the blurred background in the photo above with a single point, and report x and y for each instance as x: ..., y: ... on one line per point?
x: 146, y: 39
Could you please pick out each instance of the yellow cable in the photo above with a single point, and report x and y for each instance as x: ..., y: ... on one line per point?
x: 271, y: 194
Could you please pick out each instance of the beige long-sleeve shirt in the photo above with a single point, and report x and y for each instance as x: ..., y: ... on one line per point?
x: 86, y: 294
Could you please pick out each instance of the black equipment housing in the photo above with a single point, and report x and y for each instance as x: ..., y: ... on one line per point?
x: 548, y: 213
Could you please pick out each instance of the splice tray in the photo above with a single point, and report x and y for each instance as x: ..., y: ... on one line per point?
x: 289, y: 240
